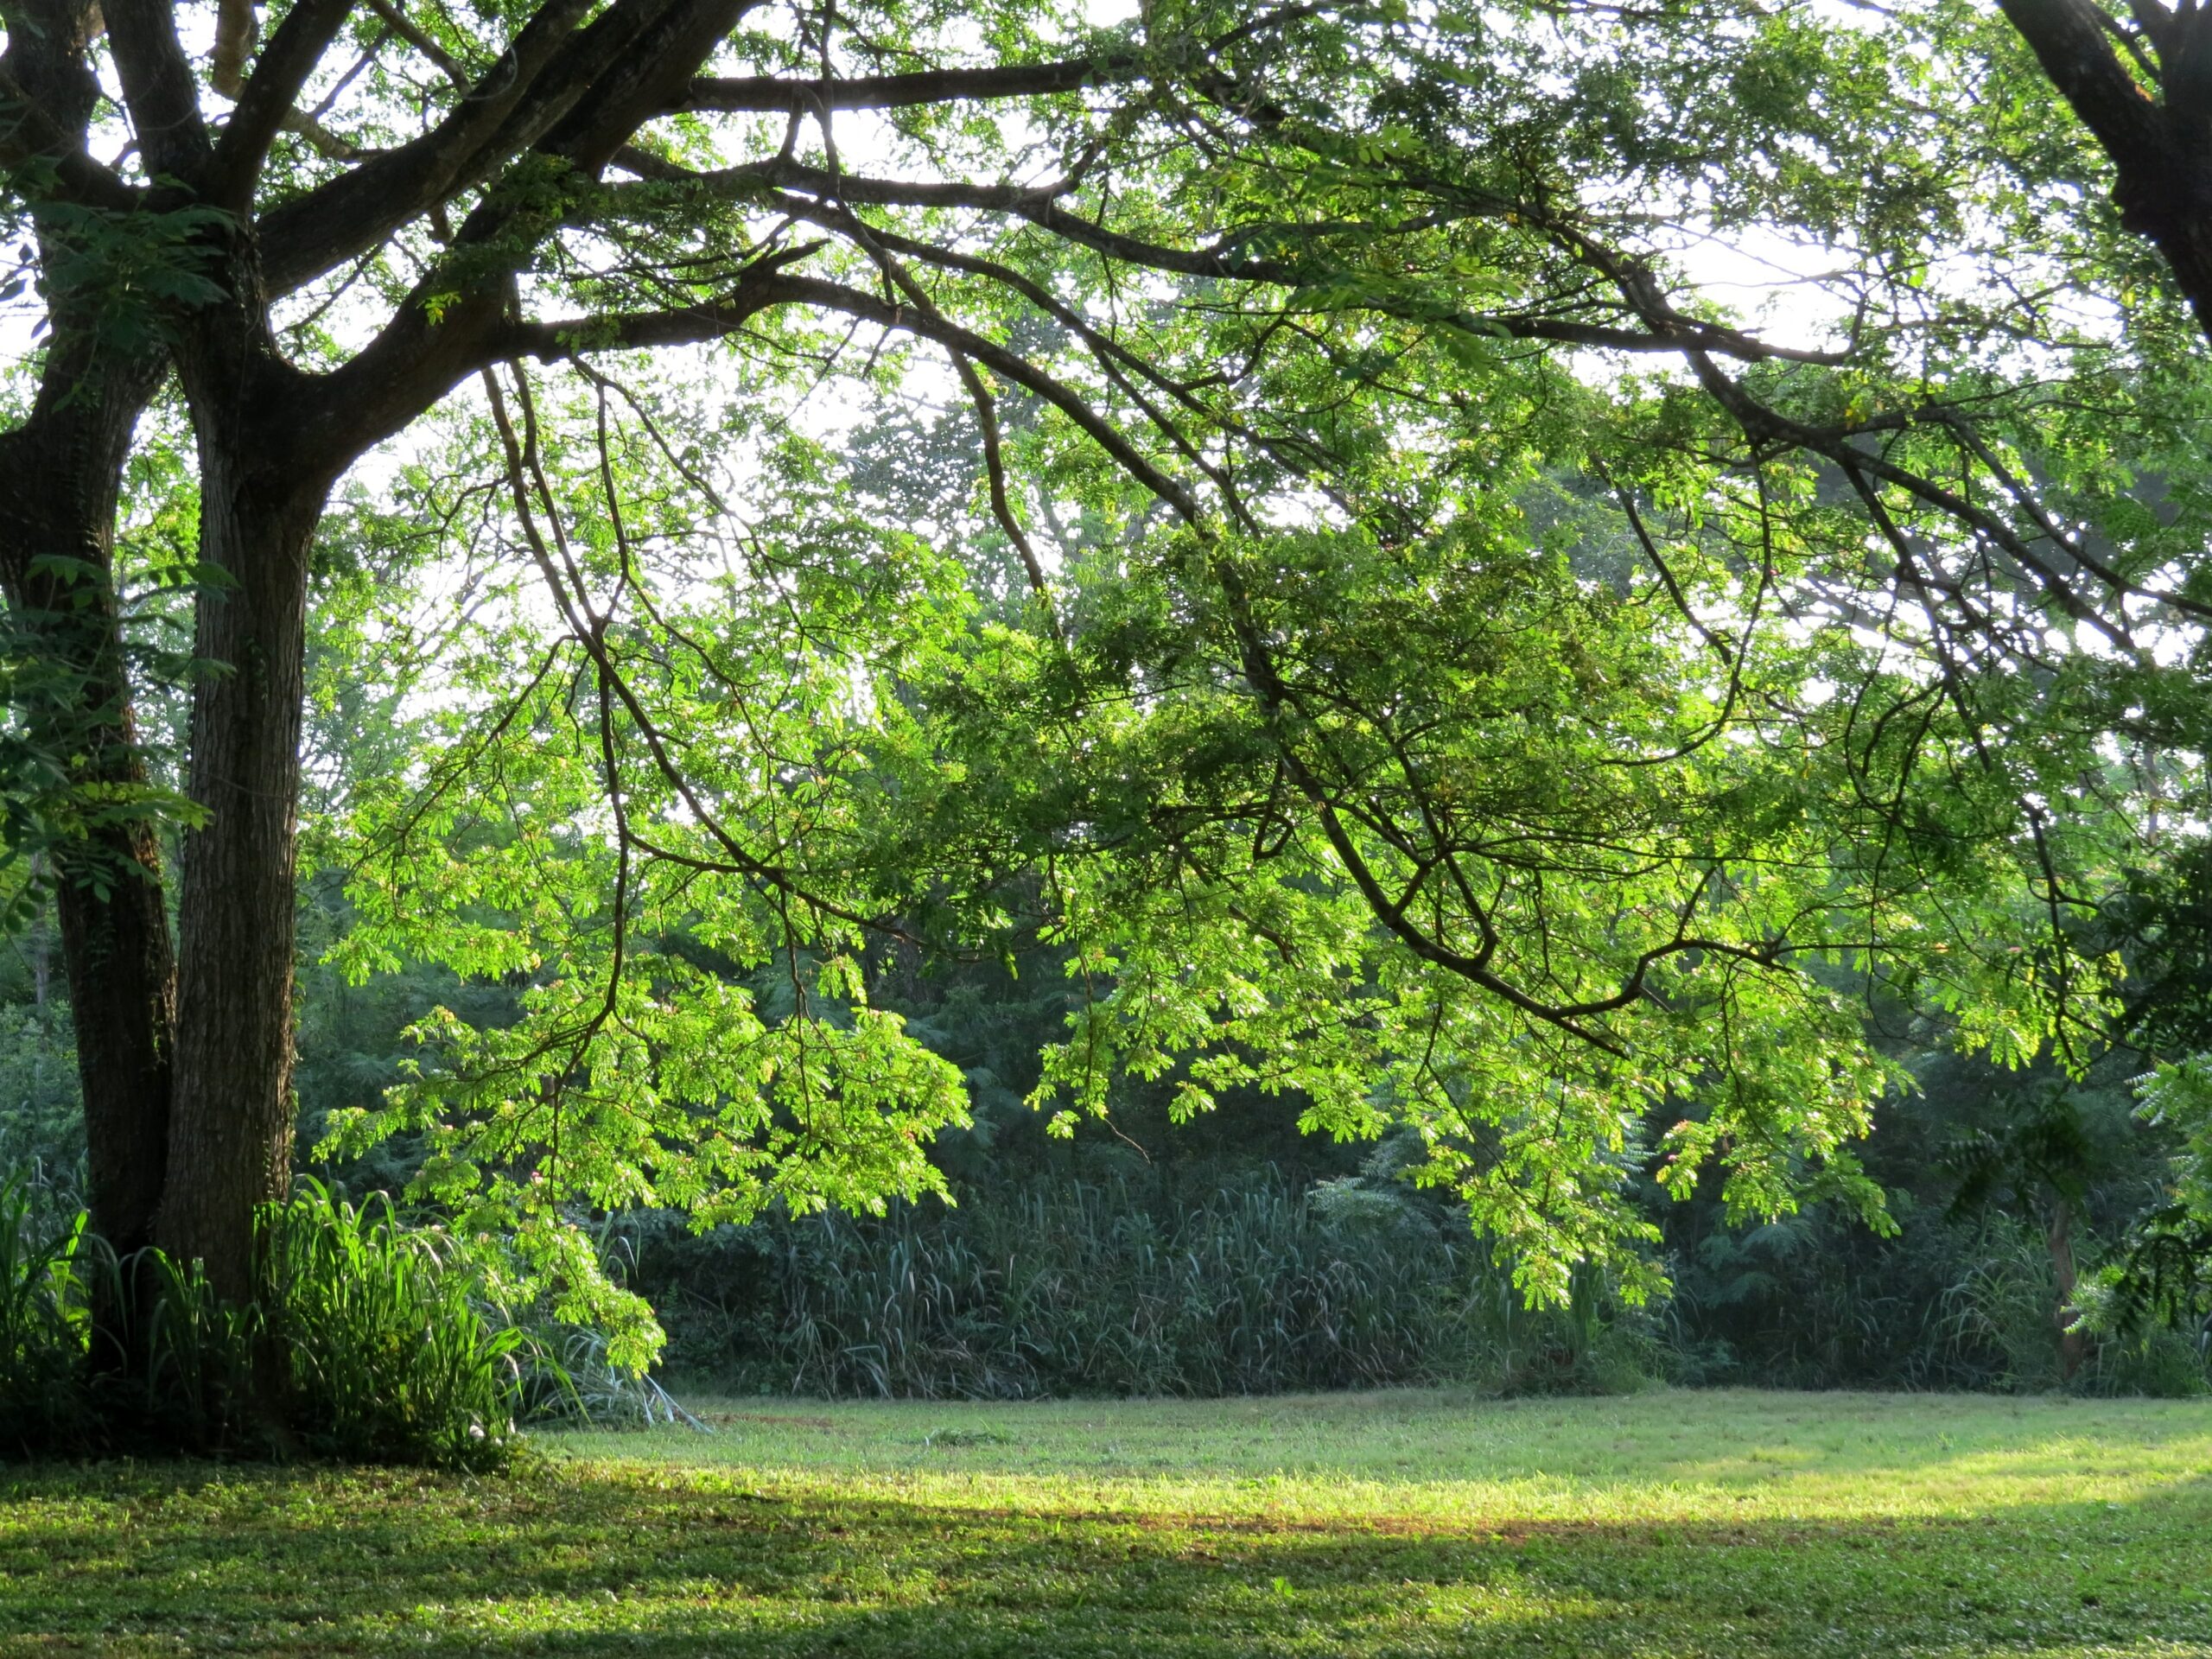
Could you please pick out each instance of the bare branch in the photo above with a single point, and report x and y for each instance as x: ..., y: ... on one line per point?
x: 158, y: 87
x: 774, y: 95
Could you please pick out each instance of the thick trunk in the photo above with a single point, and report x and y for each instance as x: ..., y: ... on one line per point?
x: 123, y: 1001
x: 61, y: 477
x: 231, y: 1123
x: 62, y: 470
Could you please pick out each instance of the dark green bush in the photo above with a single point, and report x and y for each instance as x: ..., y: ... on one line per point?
x: 1817, y: 1301
x: 1239, y: 1281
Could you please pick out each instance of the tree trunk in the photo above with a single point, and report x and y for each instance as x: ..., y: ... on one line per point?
x: 63, y: 469
x: 42, y: 946
x: 2058, y: 1236
x: 262, y: 483
x: 230, y: 1125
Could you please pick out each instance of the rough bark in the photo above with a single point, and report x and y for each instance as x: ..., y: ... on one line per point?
x: 63, y: 469
x: 231, y: 1123
x: 2160, y: 145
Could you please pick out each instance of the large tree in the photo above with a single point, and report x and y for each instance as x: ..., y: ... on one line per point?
x: 2140, y: 76
x: 1482, y: 679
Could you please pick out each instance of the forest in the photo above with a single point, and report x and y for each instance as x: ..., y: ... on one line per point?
x: 895, y: 708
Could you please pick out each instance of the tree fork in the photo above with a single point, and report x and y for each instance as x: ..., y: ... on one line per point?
x: 2161, y: 149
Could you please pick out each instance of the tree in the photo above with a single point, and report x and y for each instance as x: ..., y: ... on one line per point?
x: 2141, y: 82
x: 1413, y: 720
x: 64, y: 463
x: 2045, y: 1158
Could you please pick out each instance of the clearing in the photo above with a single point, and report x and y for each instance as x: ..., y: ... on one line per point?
x: 1728, y: 1523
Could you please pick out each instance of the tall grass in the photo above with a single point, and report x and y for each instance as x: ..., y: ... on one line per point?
x: 1247, y: 1285
x: 44, y: 1322
x: 389, y: 1353
x: 1081, y: 1287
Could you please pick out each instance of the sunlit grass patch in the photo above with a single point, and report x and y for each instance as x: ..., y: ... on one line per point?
x: 1399, y: 1524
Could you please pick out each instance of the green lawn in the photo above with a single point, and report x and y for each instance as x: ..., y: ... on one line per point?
x: 1720, y: 1523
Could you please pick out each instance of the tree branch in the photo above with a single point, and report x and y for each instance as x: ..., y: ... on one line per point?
x: 265, y: 101
x: 27, y: 131
x: 507, y: 109
x: 776, y: 94
x: 158, y: 87
x: 2070, y: 41
x: 1667, y: 332
x: 2161, y: 150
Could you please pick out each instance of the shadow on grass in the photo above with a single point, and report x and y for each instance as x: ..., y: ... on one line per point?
x: 151, y: 1560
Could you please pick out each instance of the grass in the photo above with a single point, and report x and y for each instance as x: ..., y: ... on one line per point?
x: 1725, y: 1523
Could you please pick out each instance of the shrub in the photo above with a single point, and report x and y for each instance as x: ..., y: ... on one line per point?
x: 41, y: 1118
x: 369, y: 1343
x: 390, y: 1355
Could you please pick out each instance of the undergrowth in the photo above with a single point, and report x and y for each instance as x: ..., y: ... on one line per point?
x: 1080, y: 1288
x: 1255, y: 1286
x: 370, y: 1343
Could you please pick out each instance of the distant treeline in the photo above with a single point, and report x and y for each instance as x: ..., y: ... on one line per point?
x: 1105, y: 1286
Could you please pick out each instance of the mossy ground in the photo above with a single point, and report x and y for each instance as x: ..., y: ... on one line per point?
x: 1729, y: 1523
